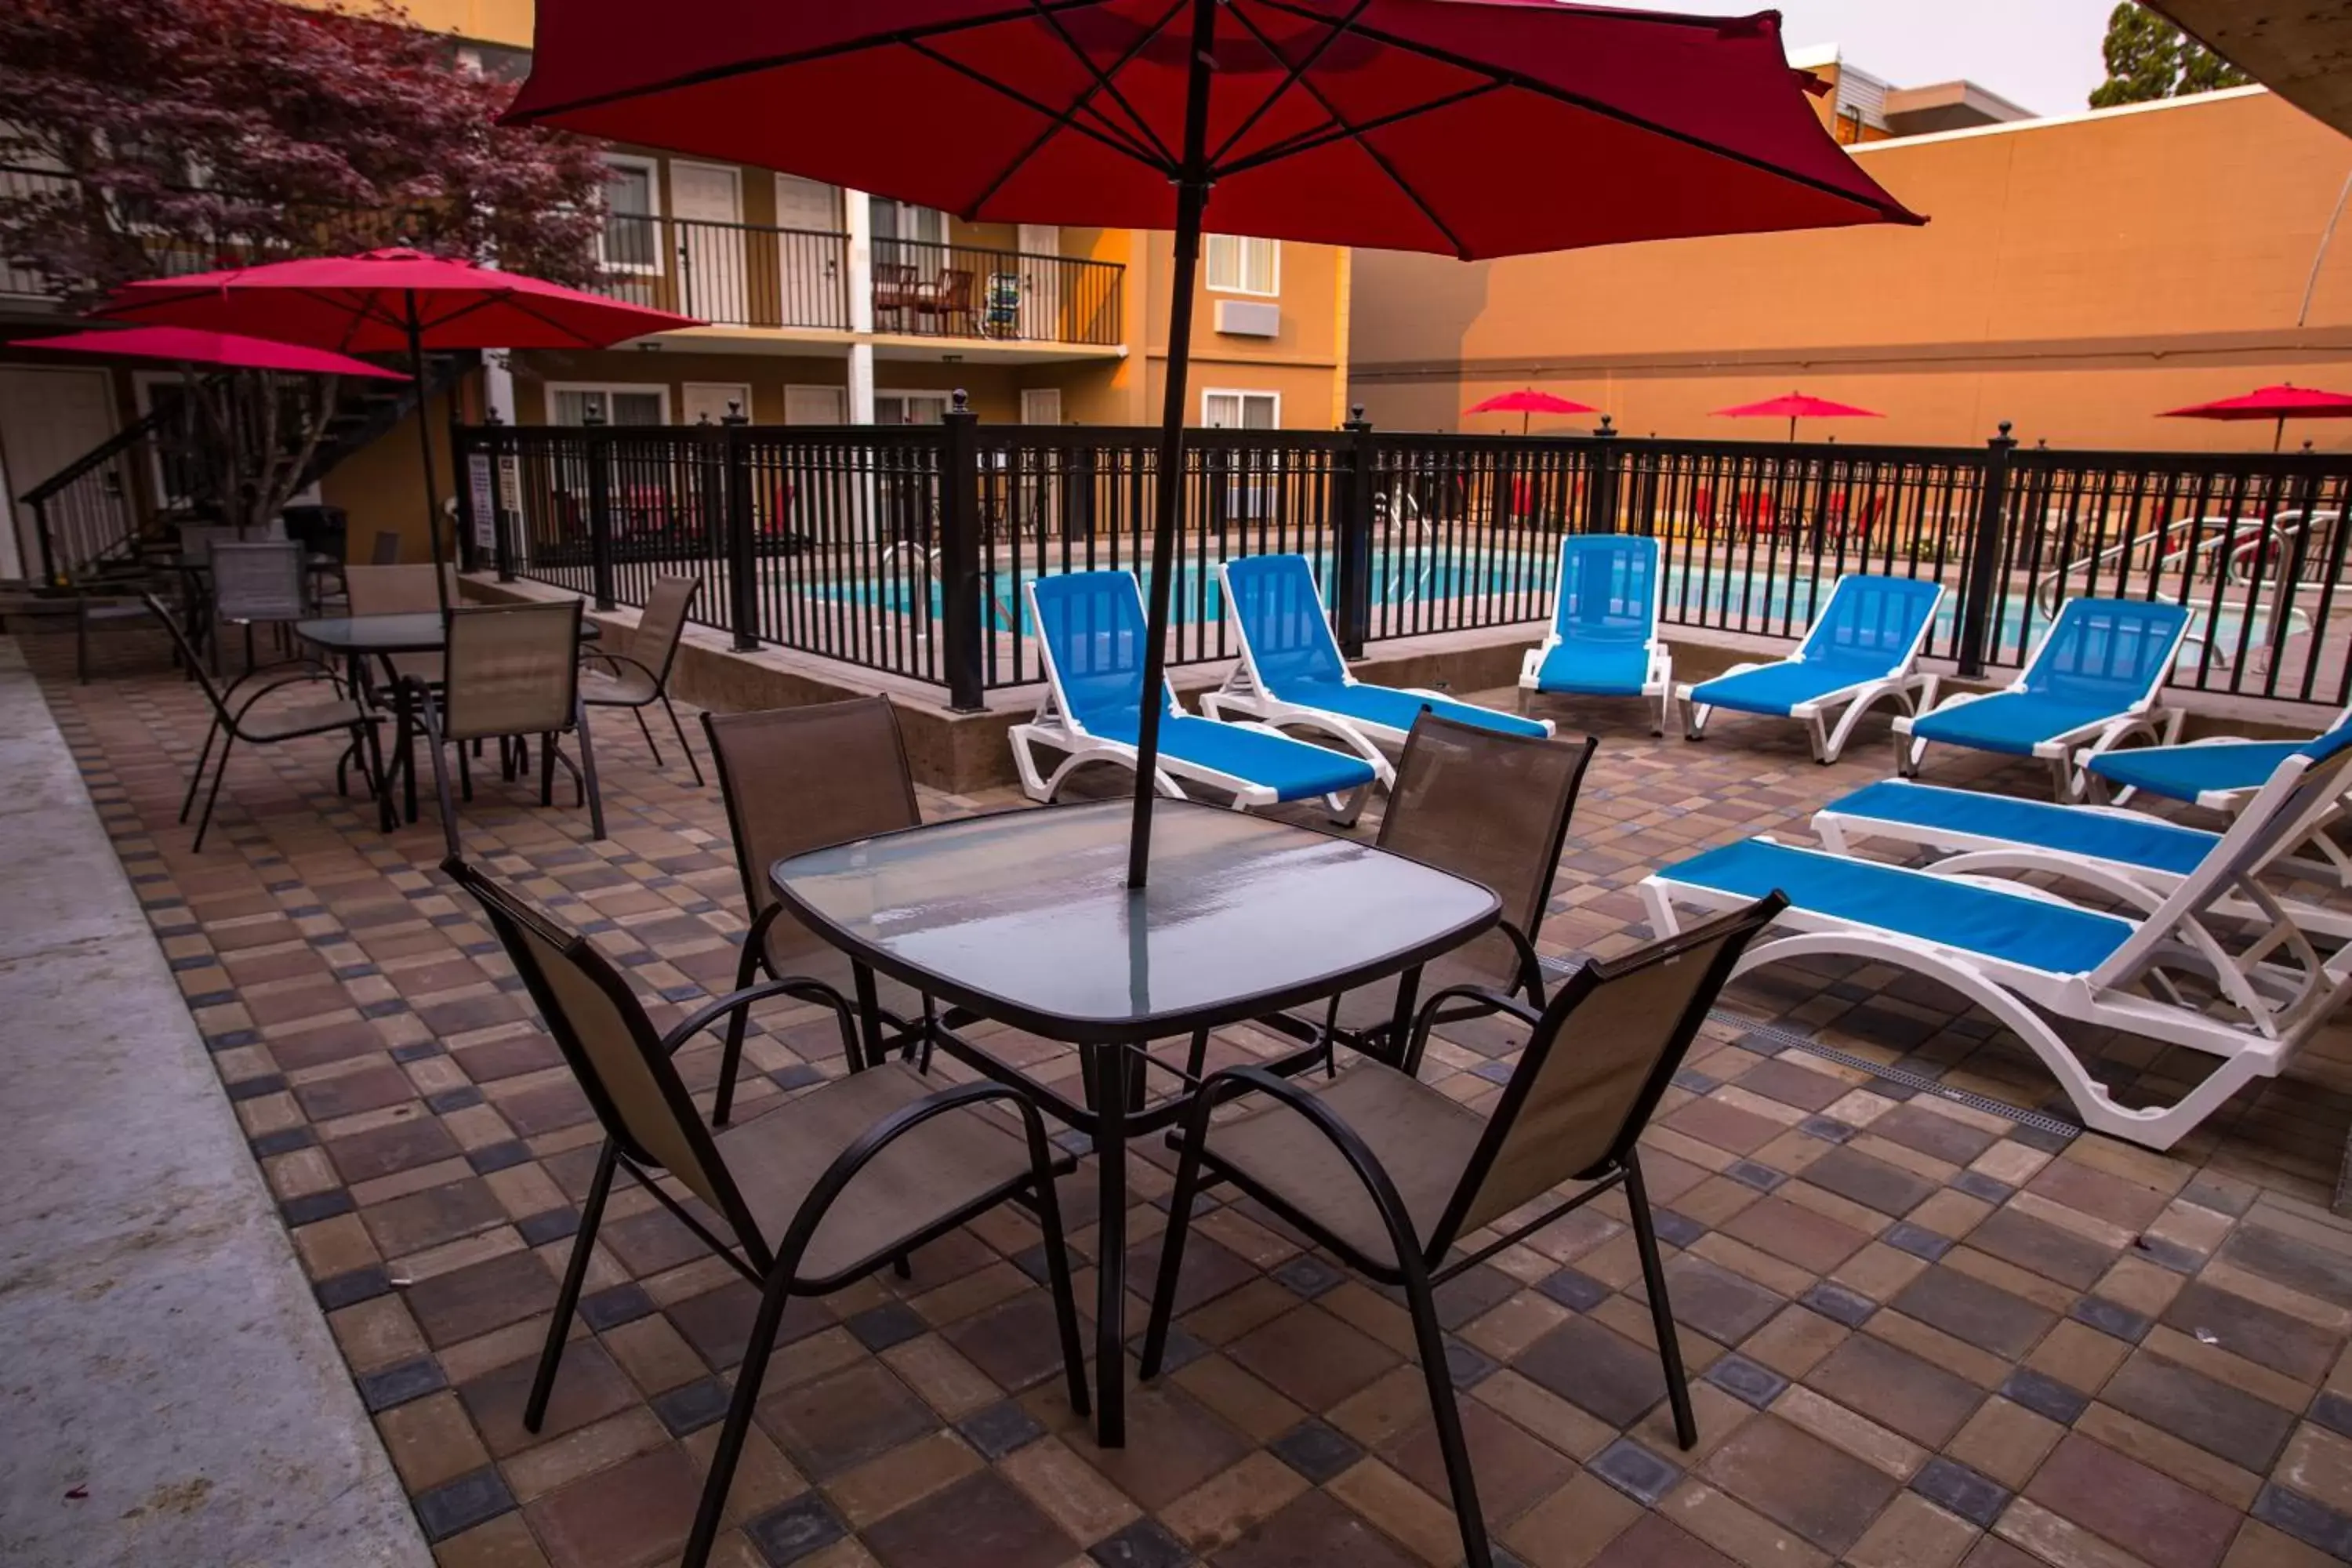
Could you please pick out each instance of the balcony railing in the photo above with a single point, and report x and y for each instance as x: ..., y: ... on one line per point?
x: 960, y: 291
x: 745, y: 275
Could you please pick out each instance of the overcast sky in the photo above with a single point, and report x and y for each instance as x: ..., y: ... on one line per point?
x: 2044, y: 54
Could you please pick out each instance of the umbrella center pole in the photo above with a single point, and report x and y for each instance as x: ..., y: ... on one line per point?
x: 425, y: 445
x: 1192, y: 201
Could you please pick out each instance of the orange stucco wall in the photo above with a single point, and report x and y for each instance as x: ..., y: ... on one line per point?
x: 2077, y: 276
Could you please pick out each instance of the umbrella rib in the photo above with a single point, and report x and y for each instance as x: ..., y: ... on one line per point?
x: 1061, y: 120
x: 1380, y: 160
x: 1895, y: 211
x: 1103, y: 79
x: 798, y: 56
x: 988, y: 191
x: 1323, y: 136
x: 1290, y: 78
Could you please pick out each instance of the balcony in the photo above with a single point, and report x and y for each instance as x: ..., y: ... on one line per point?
x: 747, y: 275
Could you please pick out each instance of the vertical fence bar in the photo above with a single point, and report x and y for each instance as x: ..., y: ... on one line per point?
x: 1601, y: 508
x: 600, y: 512
x: 1981, y: 596
x: 960, y: 585
x: 734, y: 466
x: 1351, y: 564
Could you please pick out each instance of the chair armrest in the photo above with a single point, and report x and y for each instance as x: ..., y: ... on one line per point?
x: 618, y: 660
x: 308, y: 676
x: 710, y: 1012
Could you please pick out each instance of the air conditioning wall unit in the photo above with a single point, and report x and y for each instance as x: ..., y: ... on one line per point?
x: 1249, y: 319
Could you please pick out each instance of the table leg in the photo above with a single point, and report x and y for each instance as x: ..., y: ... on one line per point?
x: 1111, y: 1068
x: 869, y: 1017
x: 1400, y: 1025
x: 405, y: 753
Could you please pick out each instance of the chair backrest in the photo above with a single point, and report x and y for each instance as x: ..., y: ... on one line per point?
x: 1285, y: 633
x: 510, y: 669
x: 797, y: 779
x: 1609, y: 588
x: 612, y: 1046
x: 386, y: 552
x: 1873, y: 622
x: 197, y: 539
x: 1092, y: 627
x: 396, y: 590
x: 259, y: 582
x: 2107, y: 654
x: 1492, y: 808
x: 661, y: 623
x: 1595, y: 1066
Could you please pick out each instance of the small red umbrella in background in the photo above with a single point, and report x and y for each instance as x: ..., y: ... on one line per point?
x: 2280, y: 403
x: 1796, y: 405
x: 1528, y: 402
x: 1358, y: 122
x: 229, y: 351
x: 391, y: 302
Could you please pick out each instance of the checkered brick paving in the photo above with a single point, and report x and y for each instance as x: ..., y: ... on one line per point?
x: 1920, y: 1334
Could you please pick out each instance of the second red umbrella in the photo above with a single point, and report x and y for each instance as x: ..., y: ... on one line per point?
x: 1796, y: 405
x: 391, y: 302
x: 2280, y: 403
x: 1528, y: 402
x: 228, y: 351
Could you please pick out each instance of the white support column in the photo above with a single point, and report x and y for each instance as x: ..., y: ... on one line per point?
x: 497, y: 384
x: 858, y: 220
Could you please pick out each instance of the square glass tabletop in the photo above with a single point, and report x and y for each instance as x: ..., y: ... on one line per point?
x: 419, y: 631
x: 1025, y: 917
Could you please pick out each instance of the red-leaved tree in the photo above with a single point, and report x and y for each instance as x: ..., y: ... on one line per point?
x: 143, y: 138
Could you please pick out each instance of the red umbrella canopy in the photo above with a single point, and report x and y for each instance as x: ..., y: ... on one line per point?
x: 1797, y: 405
x: 2281, y: 402
x: 367, y: 304
x: 1528, y: 400
x: 1368, y: 122
x: 230, y: 350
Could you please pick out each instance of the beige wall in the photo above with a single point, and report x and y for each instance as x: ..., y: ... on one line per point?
x: 1306, y: 361
x: 381, y: 484
x: 2076, y: 276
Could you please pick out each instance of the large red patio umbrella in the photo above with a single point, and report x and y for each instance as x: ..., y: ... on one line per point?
x: 1796, y: 405
x: 1526, y: 403
x: 390, y: 302
x: 1362, y: 122
x: 229, y: 351
x: 2280, y: 403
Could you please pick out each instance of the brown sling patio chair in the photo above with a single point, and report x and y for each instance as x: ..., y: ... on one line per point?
x: 511, y: 671
x: 1388, y: 1174
x: 257, y: 585
x: 640, y: 678
x: 797, y: 779
x: 1491, y: 807
x: 806, y: 1199
x: 235, y: 719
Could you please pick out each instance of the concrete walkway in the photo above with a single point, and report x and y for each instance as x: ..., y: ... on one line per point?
x: 169, y: 1392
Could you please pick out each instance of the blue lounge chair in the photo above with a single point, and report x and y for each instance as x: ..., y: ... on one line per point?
x: 2025, y: 955
x: 2098, y: 677
x: 1290, y: 673
x: 2218, y: 772
x: 1605, y: 625
x: 1091, y: 628
x: 1863, y: 648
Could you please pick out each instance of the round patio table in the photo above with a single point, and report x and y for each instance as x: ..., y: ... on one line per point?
x: 1024, y: 917
x: 363, y: 638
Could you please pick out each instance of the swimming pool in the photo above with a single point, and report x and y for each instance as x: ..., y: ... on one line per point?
x: 1415, y: 590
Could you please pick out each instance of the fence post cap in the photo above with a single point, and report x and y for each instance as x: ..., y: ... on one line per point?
x: 1608, y: 427
x: 592, y: 415
x: 734, y: 414
x: 959, y: 405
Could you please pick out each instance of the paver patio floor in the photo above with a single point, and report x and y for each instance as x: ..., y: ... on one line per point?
x: 1921, y: 1333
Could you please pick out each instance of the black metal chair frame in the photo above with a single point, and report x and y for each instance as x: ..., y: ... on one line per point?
x: 774, y: 1270
x: 231, y: 709
x: 1419, y: 1267
x: 660, y: 694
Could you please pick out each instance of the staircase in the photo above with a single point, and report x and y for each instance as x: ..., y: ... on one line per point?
x: 98, y: 516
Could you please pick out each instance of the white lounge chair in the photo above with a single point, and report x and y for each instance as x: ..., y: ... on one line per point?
x: 1862, y: 648
x: 1290, y: 673
x: 1091, y: 627
x: 1605, y: 625
x: 2098, y: 676
x: 2218, y: 772
x: 2020, y: 953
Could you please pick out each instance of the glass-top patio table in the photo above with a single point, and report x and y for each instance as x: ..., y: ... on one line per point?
x: 1024, y: 917
x: 359, y: 638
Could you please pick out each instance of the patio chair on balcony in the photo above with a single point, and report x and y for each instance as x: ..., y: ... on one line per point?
x: 1492, y: 807
x: 1391, y: 1175
x: 1091, y: 632
x: 239, y: 715
x: 945, y: 298
x: 1863, y: 649
x: 895, y: 287
x: 511, y: 672
x: 2096, y: 680
x: 2167, y: 968
x: 640, y: 678
x: 1291, y: 675
x: 807, y: 1199
x: 797, y: 779
x: 1605, y: 625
